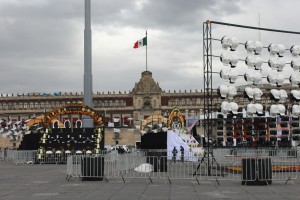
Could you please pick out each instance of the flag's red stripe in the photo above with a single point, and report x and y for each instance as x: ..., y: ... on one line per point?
x: 136, y: 45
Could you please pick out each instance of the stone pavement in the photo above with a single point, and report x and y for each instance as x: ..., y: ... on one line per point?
x: 48, y: 182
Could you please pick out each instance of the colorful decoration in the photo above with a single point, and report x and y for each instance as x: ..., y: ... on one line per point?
x: 98, y: 136
x: 80, y: 109
x: 176, y: 120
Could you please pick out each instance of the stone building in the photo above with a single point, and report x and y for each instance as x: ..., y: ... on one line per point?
x: 146, y: 98
x: 127, y: 110
x: 124, y: 110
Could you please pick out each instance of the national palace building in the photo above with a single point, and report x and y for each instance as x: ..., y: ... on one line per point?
x: 128, y: 110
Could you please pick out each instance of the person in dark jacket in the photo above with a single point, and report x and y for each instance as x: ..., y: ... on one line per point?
x: 174, y: 152
x: 182, y: 154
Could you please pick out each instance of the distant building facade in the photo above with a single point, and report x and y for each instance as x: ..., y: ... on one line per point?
x: 127, y: 110
x: 145, y: 99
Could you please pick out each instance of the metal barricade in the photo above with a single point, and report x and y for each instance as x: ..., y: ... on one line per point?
x: 21, y: 157
x: 246, y: 165
x: 2, y: 155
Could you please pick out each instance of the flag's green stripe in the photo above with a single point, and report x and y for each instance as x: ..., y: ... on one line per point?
x: 144, y: 41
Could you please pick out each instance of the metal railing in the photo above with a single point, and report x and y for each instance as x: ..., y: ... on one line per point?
x: 18, y: 157
x: 248, y: 165
x: 266, y: 166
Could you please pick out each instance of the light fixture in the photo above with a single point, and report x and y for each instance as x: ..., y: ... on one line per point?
x: 272, y: 79
x: 231, y: 92
x: 258, y: 47
x: 275, y: 93
x: 276, y: 63
x: 254, y: 62
x: 250, y: 46
x: 295, y: 50
x: 259, y: 108
x: 281, y: 109
x: 274, y: 110
x: 283, y: 95
x: 295, y: 110
x: 296, y: 94
x: 294, y: 79
x: 229, y: 42
x: 225, y: 58
x: 251, y: 109
x: 257, y: 78
x: 223, y: 89
x: 249, y: 92
x: 276, y: 49
x: 233, y: 76
x: 233, y: 60
x: 225, y: 74
x: 225, y: 107
x: 234, y: 107
x: 254, y: 46
x: 257, y: 93
x: 281, y: 50
x: 279, y: 79
x: 295, y: 64
x: 249, y: 77
x: 279, y: 94
x: 229, y: 59
x: 250, y: 62
x: 253, y: 77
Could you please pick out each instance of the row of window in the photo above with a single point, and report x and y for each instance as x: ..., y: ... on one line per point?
x: 110, y: 103
x: 186, y: 102
x: 215, y: 101
x: 34, y: 105
x: 55, y: 104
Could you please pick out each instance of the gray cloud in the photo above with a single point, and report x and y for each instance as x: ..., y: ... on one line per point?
x: 42, y: 43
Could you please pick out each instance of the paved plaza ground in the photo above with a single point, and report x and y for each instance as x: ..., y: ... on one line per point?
x: 48, y: 182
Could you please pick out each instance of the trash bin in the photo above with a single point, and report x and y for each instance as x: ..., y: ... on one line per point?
x: 92, y: 168
x: 256, y: 171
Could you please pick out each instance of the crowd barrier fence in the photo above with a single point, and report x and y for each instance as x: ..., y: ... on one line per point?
x: 246, y: 165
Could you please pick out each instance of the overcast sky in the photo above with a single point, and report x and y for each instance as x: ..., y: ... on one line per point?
x: 41, y: 41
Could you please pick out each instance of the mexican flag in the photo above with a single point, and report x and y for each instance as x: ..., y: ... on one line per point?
x: 140, y: 43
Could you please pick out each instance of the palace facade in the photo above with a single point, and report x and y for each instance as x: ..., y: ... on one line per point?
x: 127, y: 110
x: 146, y: 98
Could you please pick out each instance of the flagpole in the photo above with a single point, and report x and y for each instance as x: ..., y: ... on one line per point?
x: 146, y: 52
